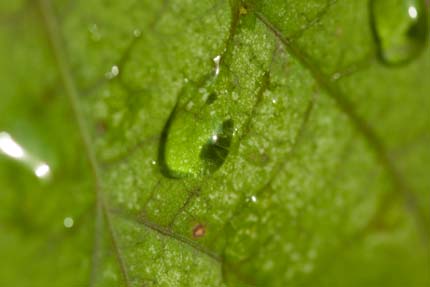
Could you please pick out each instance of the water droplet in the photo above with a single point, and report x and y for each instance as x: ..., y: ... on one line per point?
x: 42, y: 170
x: 217, y: 60
x: 197, y: 136
x: 253, y: 198
x: 12, y: 149
x: 68, y: 222
x: 401, y: 29
x: 114, y: 71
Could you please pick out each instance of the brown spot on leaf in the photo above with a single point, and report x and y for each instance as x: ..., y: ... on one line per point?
x: 101, y: 127
x: 199, y: 231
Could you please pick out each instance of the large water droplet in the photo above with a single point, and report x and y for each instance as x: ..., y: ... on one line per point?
x: 197, y: 137
x: 401, y: 29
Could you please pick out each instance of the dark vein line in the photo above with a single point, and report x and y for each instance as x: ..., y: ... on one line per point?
x: 313, y: 21
x: 359, y: 123
x: 53, y: 34
x: 167, y: 232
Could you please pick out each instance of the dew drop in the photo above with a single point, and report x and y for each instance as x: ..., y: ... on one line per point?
x: 113, y: 72
x: 197, y: 136
x: 42, y: 170
x: 217, y: 60
x: 68, y: 222
x: 401, y: 29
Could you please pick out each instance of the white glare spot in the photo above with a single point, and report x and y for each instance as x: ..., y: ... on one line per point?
x: 253, y: 198
x: 68, y: 222
x: 42, y: 170
x: 114, y: 71
x: 9, y: 146
x: 412, y: 11
x: 216, y: 60
x: 214, y: 138
x: 274, y: 101
x: 153, y: 162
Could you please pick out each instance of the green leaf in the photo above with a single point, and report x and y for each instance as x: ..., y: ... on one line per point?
x: 320, y: 177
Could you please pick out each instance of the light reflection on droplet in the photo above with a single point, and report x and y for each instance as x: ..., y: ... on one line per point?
x: 9, y: 147
x: 412, y: 11
x: 217, y: 60
x: 42, y: 170
x: 68, y: 222
x: 253, y: 198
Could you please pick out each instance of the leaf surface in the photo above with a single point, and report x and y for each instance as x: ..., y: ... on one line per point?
x: 325, y: 182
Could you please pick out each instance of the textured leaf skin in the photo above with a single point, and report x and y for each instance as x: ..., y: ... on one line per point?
x: 325, y: 184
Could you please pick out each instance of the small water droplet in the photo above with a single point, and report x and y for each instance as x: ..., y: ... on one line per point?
x: 137, y: 33
x: 114, y: 71
x: 42, y: 170
x: 253, y: 198
x: 217, y: 60
x: 401, y: 29
x: 68, y: 222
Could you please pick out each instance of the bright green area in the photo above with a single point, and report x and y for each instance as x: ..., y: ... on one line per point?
x: 325, y: 182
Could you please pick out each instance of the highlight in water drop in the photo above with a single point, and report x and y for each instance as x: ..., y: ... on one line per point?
x: 12, y: 149
x: 400, y: 28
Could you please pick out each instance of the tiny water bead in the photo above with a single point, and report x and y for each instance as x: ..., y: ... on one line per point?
x: 68, y: 222
x: 197, y: 136
x: 112, y: 73
x: 401, y: 29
